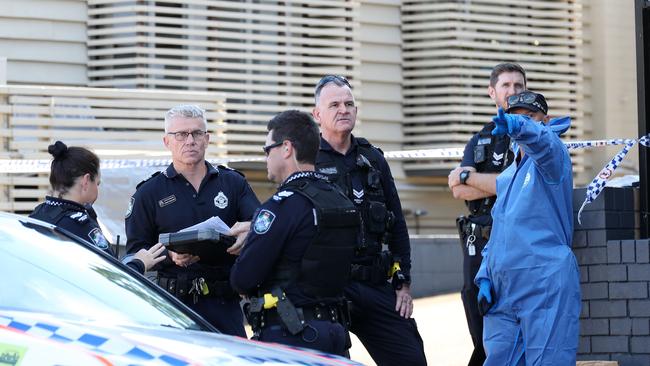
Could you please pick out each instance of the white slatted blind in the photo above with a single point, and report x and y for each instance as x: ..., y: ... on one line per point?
x: 449, y: 49
x: 265, y: 55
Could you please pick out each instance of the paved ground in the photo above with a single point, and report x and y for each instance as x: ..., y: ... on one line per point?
x: 442, y: 325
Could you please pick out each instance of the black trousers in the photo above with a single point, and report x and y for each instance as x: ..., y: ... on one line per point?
x: 321, y: 335
x: 469, y: 295
x: 389, y: 338
x: 224, y: 314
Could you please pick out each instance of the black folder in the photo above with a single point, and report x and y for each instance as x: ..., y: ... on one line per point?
x: 209, y: 244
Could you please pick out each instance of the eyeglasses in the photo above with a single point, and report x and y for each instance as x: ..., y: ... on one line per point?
x: 182, y: 135
x: 337, y: 79
x: 268, y: 148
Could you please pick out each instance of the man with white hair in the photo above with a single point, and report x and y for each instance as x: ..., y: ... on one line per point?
x: 190, y: 191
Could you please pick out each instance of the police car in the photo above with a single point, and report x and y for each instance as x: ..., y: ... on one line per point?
x: 63, y: 301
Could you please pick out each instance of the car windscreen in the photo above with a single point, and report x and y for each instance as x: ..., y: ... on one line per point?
x: 42, y: 271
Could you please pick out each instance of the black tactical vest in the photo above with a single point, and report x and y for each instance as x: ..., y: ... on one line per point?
x: 325, y: 267
x: 376, y: 219
x: 491, y: 155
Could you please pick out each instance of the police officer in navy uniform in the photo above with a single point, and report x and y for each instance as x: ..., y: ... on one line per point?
x: 485, y: 156
x: 297, y: 257
x: 75, y: 178
x: 188, y: 192
x: 381, y: 311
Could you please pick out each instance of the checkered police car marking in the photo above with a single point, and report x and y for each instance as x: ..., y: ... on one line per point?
x: 96, y: 343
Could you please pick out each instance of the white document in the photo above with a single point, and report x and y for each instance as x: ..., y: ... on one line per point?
x: 212, y: 223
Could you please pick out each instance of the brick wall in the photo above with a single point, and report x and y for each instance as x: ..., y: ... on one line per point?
x: 615, y: 279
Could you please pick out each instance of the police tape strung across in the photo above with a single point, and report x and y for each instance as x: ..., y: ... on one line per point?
x: 600, y: 180
x: 594, y: 188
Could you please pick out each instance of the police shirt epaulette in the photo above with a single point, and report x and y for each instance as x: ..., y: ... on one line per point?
x: 231, y: 169
x: 280, y: 196
x: 365, y: 143
x: 152, y: 175
x: 78, y: 217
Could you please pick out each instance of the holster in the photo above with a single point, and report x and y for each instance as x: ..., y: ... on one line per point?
x: 461, y: 224
x: 375, y: 273
x: 467, y: 227
x: 178, y: 286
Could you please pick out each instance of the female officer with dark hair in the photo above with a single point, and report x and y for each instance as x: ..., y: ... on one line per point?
x: 75, y: 178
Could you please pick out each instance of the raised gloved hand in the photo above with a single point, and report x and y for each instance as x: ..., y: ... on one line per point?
x: 484, y: 287
x: 507, y: 123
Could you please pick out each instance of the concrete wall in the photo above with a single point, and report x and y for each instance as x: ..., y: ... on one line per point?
x: 437, y: 265
x: 610, y: 79
x: 44, y: 41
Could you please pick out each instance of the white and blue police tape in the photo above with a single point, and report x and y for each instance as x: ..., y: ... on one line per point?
x: 600, y: 180
x: 16, y: 166
x: 593, y: 189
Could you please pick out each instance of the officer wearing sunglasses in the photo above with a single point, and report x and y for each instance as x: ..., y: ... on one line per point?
x: 528, y: 280
x: 474, y: 181
x: 381, y: 310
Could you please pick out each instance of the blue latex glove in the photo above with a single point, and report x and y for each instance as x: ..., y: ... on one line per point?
x: 484, y: 287
x: 507, y: 123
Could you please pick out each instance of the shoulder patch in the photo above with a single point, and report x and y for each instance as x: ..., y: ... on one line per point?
x: 152, y: 175
x: 231, y: 169
x: 129, y: 209
x: 98, y: 238
x: 263, y: 221
x: 278, y: 197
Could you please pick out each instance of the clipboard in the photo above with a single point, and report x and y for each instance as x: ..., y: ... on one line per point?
x: 209, y: 244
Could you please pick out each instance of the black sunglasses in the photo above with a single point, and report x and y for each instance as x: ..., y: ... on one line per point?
x: 268, y: 148
x: 527, y: 98
x: 331, y: 78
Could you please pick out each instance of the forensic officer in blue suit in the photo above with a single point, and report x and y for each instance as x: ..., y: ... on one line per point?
x: 190, y: 191
x: 75, y: 179
x: 297, y: 257
x: 381, y: 313
x: 528, y: 281
x: 485, y: 156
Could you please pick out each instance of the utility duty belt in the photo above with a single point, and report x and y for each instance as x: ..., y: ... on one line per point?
x: 275, y: 308
x: 383, y: 268
x: 469, y: 231
x: 182, y: 286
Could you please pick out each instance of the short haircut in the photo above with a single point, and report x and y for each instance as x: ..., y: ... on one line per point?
x: 186, y: 111
x: 69, y: 164
x: 337, y: 80
x: 299, y: 128
x: 506, y: 67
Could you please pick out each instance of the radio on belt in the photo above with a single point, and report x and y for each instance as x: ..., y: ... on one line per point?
x: 209, y: 244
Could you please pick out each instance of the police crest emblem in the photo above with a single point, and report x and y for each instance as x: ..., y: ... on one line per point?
x: 220, y: 200
x: 263, y: 221
x: 130, y: 208
x: 98, y: 238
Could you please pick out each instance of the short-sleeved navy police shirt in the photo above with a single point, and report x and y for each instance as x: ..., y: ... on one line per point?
x: 167, y: 203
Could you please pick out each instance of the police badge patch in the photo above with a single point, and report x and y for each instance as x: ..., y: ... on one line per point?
x: 220, y: 200
x: 130, y: 208
x: 263, y: 221
x: 98, y: 238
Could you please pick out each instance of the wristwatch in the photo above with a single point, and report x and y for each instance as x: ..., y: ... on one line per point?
x: 463, y: 176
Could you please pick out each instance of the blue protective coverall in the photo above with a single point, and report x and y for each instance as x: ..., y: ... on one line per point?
x: 534, y: 319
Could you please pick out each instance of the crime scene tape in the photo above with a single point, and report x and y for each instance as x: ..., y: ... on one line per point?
x: 600, y: 180
x: 16, y: 166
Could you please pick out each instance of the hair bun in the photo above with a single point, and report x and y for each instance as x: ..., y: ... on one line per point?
x: 58, y: 150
